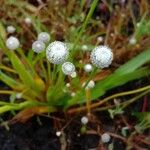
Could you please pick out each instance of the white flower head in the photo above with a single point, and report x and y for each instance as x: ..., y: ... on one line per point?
x: 84, y: 120
x: 38, y: 46
x: 28, y: 20
x: 68, y: 68
x: 90, y: 85
x: 101, y: 56
x: 68, y: 85
x: 58, y: 133
x: 105, y: 138
x: 57, y: 52
x: 12, y: 43
x: 73, y: 94
x: 19, y: 95
x: 74, y: 74
x: 44, y: 37
x: 84, y: 47
x: 88, y: 68
x: 100, y: 39
x: 133, y: 41
x: 11, y: 29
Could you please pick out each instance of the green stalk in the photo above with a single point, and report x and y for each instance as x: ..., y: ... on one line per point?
x: 88, y: 17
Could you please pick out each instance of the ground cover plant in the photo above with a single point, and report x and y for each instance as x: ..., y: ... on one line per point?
x: 83, y: 65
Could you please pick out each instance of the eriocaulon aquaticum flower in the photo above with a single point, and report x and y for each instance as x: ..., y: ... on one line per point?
x: 68, y: 68
x: 84, y: 120
x: 88, y: 68
x: 28, y: 21
x: 44, y: 37
x: 105, y: 137
x: 57, y: 52
x: 101, y: 56
x: 12, y: 43
x: 11, y: 29
x: 38, y: 46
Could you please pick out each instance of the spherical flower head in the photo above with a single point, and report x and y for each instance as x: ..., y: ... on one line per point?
x: 68, y: 68
x: 73, y: 94
x: 58, y: 133
x: 44, y: 37
x: 12, y: 43
x: 84, y: 120
x: 84, y: 47
x: 38, y: 46
x: 105, y: 138
x: 100, y: 39
x: 28, y: 20
x: 88, y: 68
x: 11, y: 29
x: 133, y: 41
x: 101, y: 56
x: 74, y: 74
x: 90, y: 85
x: 57, y: 52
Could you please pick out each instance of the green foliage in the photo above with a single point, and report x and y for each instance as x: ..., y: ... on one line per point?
x: 42, y: 84
x: 144, y: 121
x: 125, y: 73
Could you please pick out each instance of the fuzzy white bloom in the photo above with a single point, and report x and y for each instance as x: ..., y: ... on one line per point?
x: 84, y: 120
x: 100, y: 39
x: 57, y: 52
x: 68, y: 85
x: 19, y: 95
x: 133, y: 41
x: 138, y: 24
x: 105, y: 138
x: 28, y: 20
x: 88, y: 68
x: 11, y: 29
x: 73, y: 94
x: 12, y: 43
x: 84, y: 47
x: 101, y: 56
x: 58, y: 133
x: 74, y: 74
x: 90, y: 85
x: 44, y: 37
x: 68, y: 68
x: 38, y: 46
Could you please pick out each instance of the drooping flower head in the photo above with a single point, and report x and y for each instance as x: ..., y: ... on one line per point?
x: 12, y: 43
x: 101, y: 56
x: 44, y: 37
x: 57, y: 52
x: 68, y: 68
x: 38, y: 46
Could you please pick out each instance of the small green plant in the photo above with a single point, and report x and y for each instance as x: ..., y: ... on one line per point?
x: 49, y: 77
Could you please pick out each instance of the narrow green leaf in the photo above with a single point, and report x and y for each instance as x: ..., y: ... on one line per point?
x: 24, y: 74
x: 134, y: 63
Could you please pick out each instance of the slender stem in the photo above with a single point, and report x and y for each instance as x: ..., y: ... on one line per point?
x: 100, y: 102
x: 7, y: 69
x: 93, y: 6
x: 88, y: 98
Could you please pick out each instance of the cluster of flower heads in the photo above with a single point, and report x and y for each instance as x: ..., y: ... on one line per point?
x: 57, y: 52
